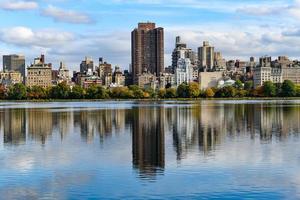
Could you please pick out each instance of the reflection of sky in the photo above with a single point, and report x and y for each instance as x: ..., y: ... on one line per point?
x: 71, y: 167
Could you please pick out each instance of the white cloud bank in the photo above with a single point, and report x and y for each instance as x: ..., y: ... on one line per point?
x: 18, y: 5
x: 68, y: 16
x: 115, y: 46
x: 24, y: 36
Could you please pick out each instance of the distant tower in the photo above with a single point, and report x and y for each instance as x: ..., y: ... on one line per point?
x: 206, y: 56
x: 147, y: 49
x: 181, y: 51
x: 14, y: 63
x: 100, y: 61
x: 178, y: 40
x: 87, y: 65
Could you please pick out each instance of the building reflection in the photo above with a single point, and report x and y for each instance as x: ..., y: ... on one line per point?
x: 14, y: 126
x: 40, y: 124
x: 201, y: 127
x: 148, y: 142
x: 100, y: 123
x: 210, y: 124
x: 184, y: 128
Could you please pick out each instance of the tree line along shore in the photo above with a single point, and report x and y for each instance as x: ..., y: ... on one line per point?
x: 186, y: 91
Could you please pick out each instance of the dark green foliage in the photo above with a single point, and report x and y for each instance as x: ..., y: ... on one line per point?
x: 96, y: 92
x: 183, y: 90
x: 138, y: 93
x: 161, y: 93
x: 269, y: 89
x: 151, y: 92
x: 228, y: 91
x: 248, y: 85
x: 170, y: 93
x: 61, y: 91
x: 242, y: 93
x: 37, y: 92
x: 77, y: 92
x: 17, y: 92
x: 288, y: 89
x: 238, y: 85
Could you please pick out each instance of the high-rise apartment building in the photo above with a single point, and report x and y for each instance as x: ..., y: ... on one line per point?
x: 87, y: 65
x: 181, y: 51
x: 39, y: 73
x: 184, y: 71
x: 147, y: 49
x: 14, y: 63
x: 104, y: 69
x: 206, y: 56
x: 219, y: 61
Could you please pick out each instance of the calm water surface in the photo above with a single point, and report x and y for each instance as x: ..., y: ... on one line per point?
x: 150, y: 150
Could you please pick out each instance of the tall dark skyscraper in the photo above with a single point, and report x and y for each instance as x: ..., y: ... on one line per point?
x: 14, y: 63
x: 147, y: 49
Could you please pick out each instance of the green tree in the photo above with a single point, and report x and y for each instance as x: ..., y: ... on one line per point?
x: 228, y: 91
x: 138, y: 93
x: 17, y: 92
x: 170, y: 93
x: 298, y: 90
x: 194, y: 90
x: 97, y: 92
x: 161, y: 93
x: 121, y: 93
x: 242, y: 93
x: 151, y: 92
x: 61, y: 91
x: 238, y: 85
x: 2, y: 92
x: 248, y: 85
x: 77, y: 92
x: 269, y: 89
x: 36, y: 92
x: 209, y: 93
x: 288, y: 89
x: 183, y: 91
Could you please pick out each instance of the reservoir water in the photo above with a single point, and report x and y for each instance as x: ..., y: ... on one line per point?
x: 150, y: 150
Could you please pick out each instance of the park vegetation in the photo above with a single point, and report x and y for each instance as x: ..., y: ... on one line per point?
x: 184, y: 91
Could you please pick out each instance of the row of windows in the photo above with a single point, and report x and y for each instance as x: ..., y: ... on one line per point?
x: 39, y: 73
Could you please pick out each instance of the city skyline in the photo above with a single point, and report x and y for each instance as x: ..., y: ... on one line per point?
x: 68, y: 32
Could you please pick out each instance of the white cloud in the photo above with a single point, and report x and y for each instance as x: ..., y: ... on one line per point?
x: 236, y: 43
x: 67, y: 46
x: 18, y: 5
x: 68, y: 16
x: 291, y: 10
x: 23, y: 36
x: 259, y: 10
x: 114, y: 46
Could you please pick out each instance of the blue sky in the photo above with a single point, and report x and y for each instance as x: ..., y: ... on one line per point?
x: 69, y: 30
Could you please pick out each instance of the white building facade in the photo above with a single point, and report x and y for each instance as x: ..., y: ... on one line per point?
x: 184, y: 71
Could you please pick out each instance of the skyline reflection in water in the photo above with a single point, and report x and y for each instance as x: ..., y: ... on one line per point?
x: 151, y: 138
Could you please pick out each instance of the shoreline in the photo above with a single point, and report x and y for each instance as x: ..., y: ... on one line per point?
x: 153, y: 100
